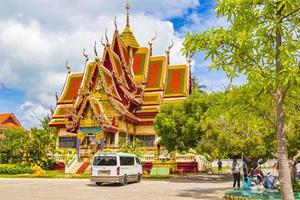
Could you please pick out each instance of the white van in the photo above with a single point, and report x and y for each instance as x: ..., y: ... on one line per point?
x: 116, y: 168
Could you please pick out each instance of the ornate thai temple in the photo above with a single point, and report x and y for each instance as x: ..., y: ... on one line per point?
x: 118, y: 94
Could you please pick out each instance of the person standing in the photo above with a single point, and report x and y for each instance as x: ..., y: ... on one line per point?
x: 219, y: 166
x: 236, y: 173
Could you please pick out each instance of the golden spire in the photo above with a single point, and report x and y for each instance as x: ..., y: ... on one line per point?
x: 127, y: 35
x: 127, y: 19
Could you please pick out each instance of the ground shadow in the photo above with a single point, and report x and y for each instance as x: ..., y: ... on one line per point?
x: 107, y: 185
x: 201, y: 178
x: 205, y: 193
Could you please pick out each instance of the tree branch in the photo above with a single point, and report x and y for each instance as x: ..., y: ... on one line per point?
x: 291, y: 13
x: 262, y: 112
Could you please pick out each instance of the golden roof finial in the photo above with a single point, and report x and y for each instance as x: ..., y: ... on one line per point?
x: 127, y: 8
x: 95, y: 50
x: 152, y: 39
x: 107, y: 43
x: 51, y: 110
x: 115, y: 21
x: 103, y: 44
x: 56, y: 96
x: 68, y: 67
x: 85, y: 55
x: 151, y: 42
x: 169, y: 47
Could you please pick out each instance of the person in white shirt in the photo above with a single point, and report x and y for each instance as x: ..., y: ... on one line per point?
x: 236, y: 173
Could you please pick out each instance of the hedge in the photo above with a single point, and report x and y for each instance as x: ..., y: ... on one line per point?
x: 15, y: 169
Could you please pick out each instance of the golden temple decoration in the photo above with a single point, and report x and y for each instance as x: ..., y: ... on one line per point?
x: 115, y: 21
x: 106, y: 38
x: 151, y: 43
x: 85, y: 55
x: 88, y: 121
x: 68, y: 67
x: 95, y: 51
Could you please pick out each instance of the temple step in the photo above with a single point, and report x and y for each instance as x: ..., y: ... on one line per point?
x: 83, y: 167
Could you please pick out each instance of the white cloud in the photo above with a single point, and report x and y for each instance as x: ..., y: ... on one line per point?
x: 199, y: 22
x: 36, y: 40
x: 32, y: 113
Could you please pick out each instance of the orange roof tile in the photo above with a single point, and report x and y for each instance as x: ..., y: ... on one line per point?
x: 8, y: 119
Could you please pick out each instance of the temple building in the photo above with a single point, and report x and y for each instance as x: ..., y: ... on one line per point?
x: 8, y: 121
x: 118, y: 94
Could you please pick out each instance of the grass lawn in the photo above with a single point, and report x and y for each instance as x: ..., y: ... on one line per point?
x: 224, y: 169
x: 50, y: 174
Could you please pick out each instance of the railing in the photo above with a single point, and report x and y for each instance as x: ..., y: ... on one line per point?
x: 71, y: 161
x: 180, y: 158
x: 58, y: 157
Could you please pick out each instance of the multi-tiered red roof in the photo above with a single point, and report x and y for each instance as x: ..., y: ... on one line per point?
x: 127, y: 79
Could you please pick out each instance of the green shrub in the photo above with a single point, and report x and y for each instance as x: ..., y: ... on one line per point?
x: 296, y: 186
x: 15, y: 169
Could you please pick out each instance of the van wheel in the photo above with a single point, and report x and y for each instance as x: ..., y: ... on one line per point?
x: 125, y: 180
x: 138, y: 178
x: 98, y: 183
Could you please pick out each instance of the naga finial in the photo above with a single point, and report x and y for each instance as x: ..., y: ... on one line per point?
x: 106, y: 38
x: 68, y: 67
x: 115, y: 21
x: 51, y: 110
x: 170, y: 47
x: 85, y: 55
x: 168, y: 51
x: 95, y: 50
x: 152, y: 39
x: 56, y: 96
x: 151, y: 42
x: 103, y: 44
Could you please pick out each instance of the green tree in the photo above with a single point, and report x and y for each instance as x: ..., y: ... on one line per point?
x: 177, y: 123
x: 234, y: 126
x: 14, y: 146
x: 261, y: 42
x: 32, y: 147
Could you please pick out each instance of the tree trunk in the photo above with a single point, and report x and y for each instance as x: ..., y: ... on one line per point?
x: 284, y: 170
x: 286, y: 188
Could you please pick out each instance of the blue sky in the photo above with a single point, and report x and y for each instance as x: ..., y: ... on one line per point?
x: 37, y: 38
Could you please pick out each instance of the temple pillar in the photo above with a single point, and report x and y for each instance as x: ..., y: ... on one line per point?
x: 117, y: 139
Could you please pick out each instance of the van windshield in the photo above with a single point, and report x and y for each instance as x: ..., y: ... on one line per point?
x: 105, y: 161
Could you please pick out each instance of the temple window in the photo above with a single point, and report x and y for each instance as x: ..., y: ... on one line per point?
x: 67, y: 142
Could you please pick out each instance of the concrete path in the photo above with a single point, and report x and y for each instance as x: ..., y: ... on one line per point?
x: 184, y: 188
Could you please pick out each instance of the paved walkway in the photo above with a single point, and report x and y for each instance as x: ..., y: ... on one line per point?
x: 185, y: 188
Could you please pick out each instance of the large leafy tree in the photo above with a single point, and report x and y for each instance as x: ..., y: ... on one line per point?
x: 178, y: 124
x: 234, y: 125
x: 261, y: 42
x: 14, y: 146
x: 31, y: 147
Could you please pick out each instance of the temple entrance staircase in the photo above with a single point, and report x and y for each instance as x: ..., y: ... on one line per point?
x: 75, y: 166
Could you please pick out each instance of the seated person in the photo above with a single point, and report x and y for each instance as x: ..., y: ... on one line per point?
x: 258, y: 186
x: 246, y: 183
x: 269, y: 181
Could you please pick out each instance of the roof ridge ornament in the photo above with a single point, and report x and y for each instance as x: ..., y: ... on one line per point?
x: 169, y: 50
x: 85, y: 55
x: 150, y: 42
x: 116, y: 25
x: 68, y: 67
x: 127, y: 8
x: 95, y: 51
x: 56, y: 96
x: 51, y: 110
x: 106, y: 38
x: 103, y: 44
